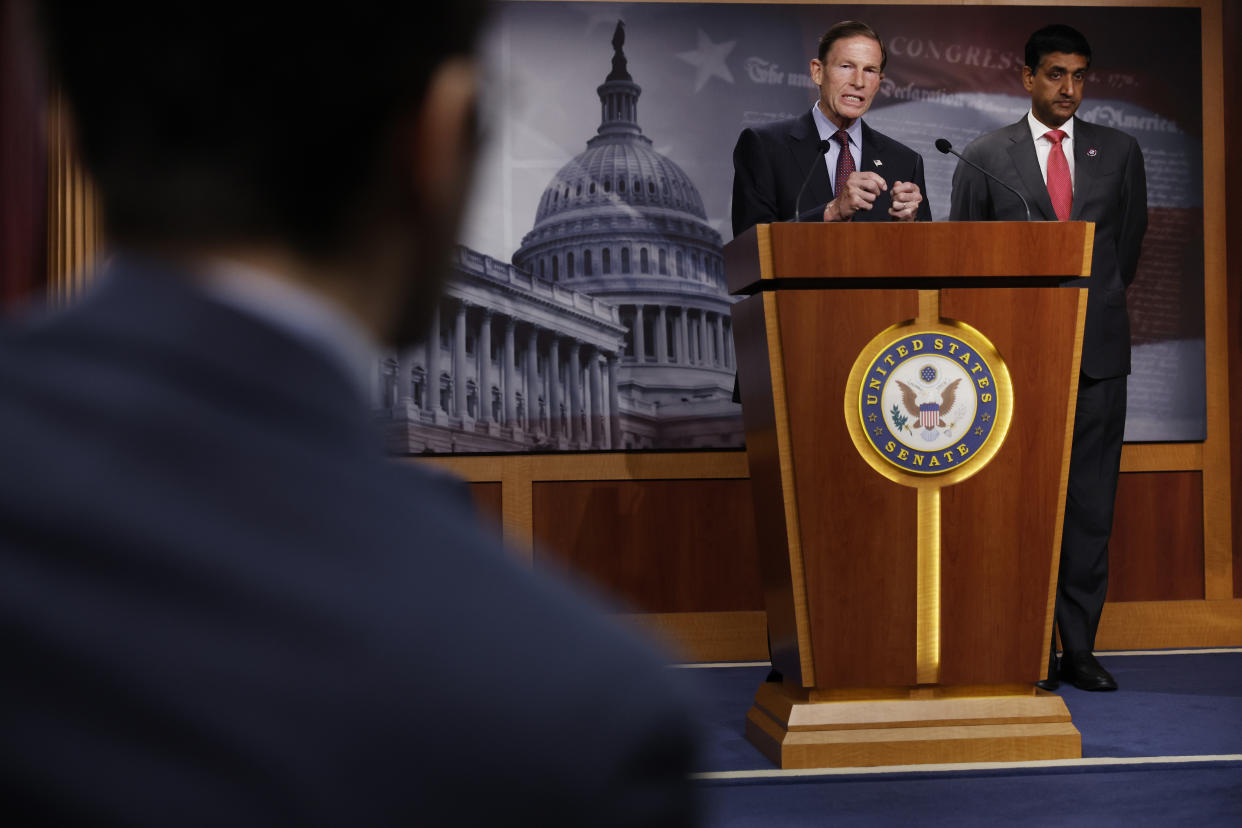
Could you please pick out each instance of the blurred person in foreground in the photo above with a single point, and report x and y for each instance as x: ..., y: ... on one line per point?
x: 219, y: 602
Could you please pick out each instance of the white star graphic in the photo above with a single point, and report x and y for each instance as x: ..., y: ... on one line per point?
x: 709, y: 60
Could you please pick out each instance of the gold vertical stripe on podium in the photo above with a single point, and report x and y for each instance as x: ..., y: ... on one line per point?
x: 784, y: 443
x: 929, y: 307
x: 927, y: 609
x: 784, y: 450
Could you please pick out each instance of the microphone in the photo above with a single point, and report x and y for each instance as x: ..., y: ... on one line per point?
x: 947, y: 148
x: 824, y: 145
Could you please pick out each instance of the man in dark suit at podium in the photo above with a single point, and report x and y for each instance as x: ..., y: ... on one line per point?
x: 1069, y: 169
x: 855, y: 173
x: 220, y: 604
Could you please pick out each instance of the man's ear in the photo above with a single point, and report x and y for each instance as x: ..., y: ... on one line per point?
x: 445, y: 138
x: 1028, y: 78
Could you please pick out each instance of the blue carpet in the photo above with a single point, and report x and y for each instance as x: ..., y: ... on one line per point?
x: 1198, y: 796
x: 1169, y: 705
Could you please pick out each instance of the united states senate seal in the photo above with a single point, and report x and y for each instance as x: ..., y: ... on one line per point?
x: 929, y: 402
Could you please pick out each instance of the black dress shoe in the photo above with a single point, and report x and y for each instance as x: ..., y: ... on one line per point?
x: 1079, y: 668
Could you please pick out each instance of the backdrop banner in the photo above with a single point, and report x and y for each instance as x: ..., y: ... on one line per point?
x: 586, y: 307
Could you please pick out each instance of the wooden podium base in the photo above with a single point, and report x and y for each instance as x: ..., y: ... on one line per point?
x: 795, y: 728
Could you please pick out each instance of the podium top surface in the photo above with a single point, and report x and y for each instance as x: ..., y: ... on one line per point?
x: 918, y: 254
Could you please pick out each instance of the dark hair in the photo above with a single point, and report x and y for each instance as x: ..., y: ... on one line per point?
x: 243, y: 121
x: 850, y: 28
x: 1056, y: 38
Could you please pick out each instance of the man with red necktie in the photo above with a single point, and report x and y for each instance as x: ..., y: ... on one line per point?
x: 1069, y: 169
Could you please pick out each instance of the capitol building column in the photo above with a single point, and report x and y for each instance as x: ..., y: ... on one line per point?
x: 459, y: 363
x: 683, y: 337
x: 405, y: 369
x: 704, y: 346
x: 575, y: 393
x: 597, y: 400
x: 640, y: 335
x: 433, y: 363
x: 720, y: 355
x: 484, y: 354
x: 556, y: 425
x: 533, y: 421
x: 662, y: 336
x: 614, y: 404
x: 509, y: 392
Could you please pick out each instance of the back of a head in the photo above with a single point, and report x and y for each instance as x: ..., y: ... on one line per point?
x: 227, y: 122
x: 1053, y: 39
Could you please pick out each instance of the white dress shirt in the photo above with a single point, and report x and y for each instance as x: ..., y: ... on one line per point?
x: 1043, y: 146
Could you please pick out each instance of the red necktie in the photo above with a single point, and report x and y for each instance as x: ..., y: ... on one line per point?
x: 1060, y: 188
x: 845, y: 163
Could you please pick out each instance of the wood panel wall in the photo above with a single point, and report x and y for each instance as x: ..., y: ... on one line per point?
x: 661, y: 546
x: 664, y: 535
x: 1156, y: 551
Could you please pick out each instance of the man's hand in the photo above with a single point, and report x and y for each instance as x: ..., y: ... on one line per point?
x: 906, y: 201
x: 861, y: 190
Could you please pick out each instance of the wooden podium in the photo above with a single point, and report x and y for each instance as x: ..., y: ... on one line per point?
x: 909, y: 606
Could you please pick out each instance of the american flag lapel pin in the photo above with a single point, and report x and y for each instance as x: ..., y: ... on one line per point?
x: 877, y: 162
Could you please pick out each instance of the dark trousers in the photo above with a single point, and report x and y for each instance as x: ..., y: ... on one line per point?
x: 1095, y: 462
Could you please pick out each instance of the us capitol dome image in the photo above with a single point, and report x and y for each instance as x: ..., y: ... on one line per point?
x: 609, y: 330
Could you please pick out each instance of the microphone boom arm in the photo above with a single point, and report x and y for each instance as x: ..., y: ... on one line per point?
x: 944, y: 146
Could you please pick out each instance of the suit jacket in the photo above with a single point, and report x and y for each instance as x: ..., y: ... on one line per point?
x: 770, y: 162
x: 221, y: 604
x: 1110, y: 189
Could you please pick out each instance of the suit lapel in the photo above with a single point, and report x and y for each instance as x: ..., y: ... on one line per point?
x: 1022, y: 153
x: 872, y: 158
x: 804, y: 145
x: 1084, y: 167
x: 867, y: 154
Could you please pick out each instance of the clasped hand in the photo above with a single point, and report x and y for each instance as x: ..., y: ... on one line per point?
x: 861, y: 191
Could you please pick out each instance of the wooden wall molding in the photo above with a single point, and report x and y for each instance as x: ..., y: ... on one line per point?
x: 517, y: 474
x: 696, y: 637
x: 1144, y: 625
x: 1217, y: 500
x: 741, y: 636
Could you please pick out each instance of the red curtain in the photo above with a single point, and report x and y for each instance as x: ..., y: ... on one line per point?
x: 23, y: 161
